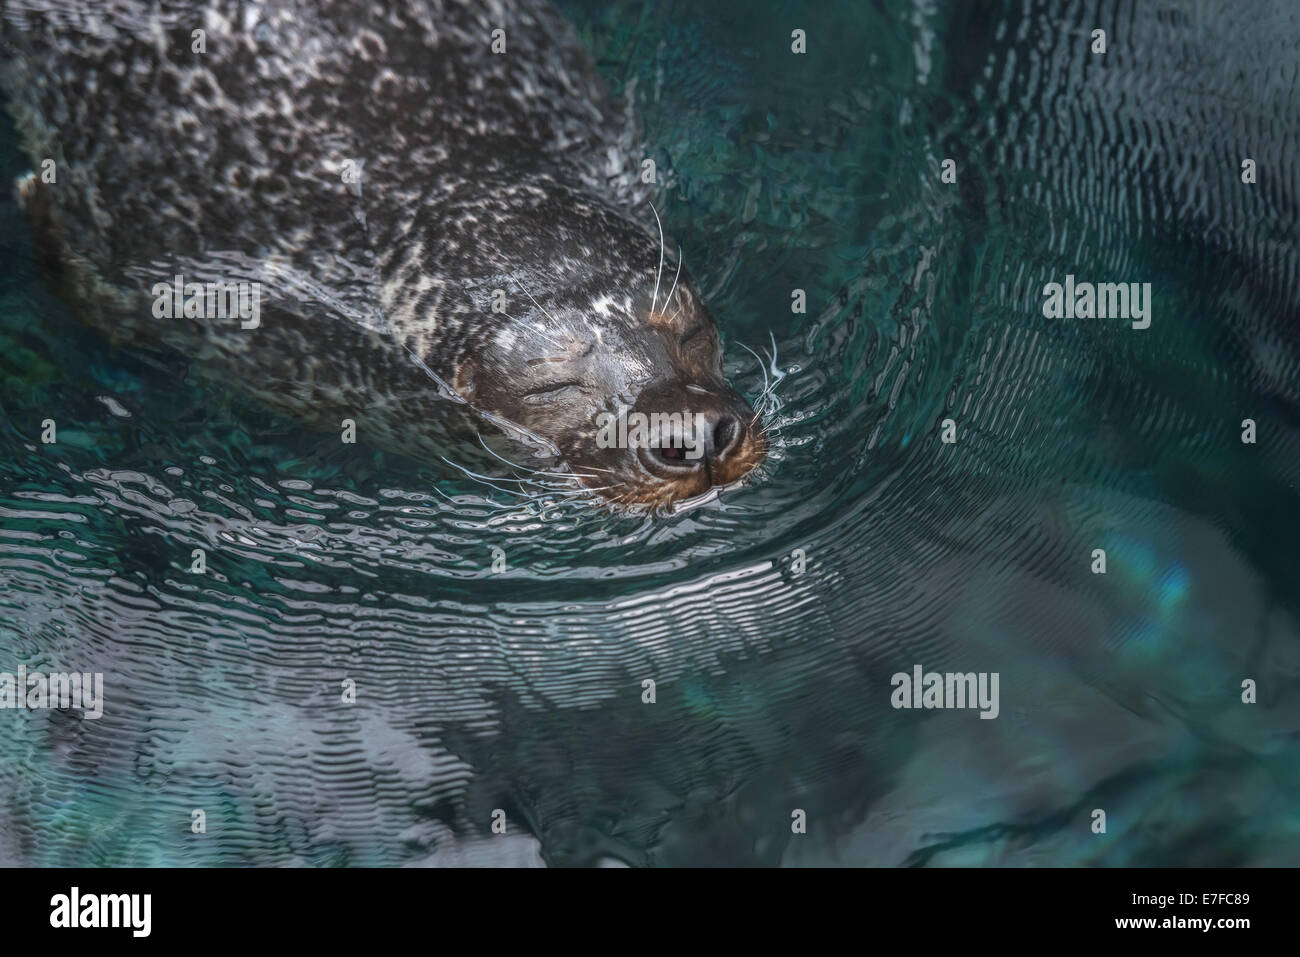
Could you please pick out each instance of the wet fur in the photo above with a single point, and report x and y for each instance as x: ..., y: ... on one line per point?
x: 228, y: 164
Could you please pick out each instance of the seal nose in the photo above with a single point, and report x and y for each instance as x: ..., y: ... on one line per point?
x: 714, y: 435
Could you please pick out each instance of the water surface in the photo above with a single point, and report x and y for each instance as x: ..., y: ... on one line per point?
x: 522, y: 690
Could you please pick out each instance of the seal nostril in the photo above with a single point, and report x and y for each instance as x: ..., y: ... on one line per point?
x: 725, y: 433
x: 676, y: 457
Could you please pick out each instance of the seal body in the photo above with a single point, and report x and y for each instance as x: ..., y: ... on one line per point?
x: 426, y: 200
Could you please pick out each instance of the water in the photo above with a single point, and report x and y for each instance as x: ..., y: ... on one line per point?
x: 521, y: 690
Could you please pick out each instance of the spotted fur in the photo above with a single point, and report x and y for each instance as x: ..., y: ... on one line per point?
x: 477, y: 171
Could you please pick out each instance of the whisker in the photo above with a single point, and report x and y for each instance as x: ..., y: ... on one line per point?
x: 554, y: 341
x: 655, y: 300
x: 599, y: 469
x: 537, y: 500
x: 766, y: 402
x: 526, y: 481
x: 524, y: 468
x: 535, y: 302
x: 485, y: 480
x: 762, y: 365
x: 581, y: 492
x: 675, y: 277
x: 777, y: 374
x: 496, y: 506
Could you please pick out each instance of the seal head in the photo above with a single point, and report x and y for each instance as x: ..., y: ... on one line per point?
x: 630, y: 392
x: 599, y: 344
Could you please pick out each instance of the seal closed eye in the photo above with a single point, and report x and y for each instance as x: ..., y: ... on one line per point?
x: 429, y: 199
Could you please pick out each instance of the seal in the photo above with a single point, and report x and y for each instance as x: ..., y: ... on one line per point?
x: 365, y: 209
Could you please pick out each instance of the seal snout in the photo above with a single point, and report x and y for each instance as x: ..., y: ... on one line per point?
x: 704, y: 440
x: 694, y: 439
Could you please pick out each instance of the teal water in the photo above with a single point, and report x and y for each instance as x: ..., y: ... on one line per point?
x: 522, y: 690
